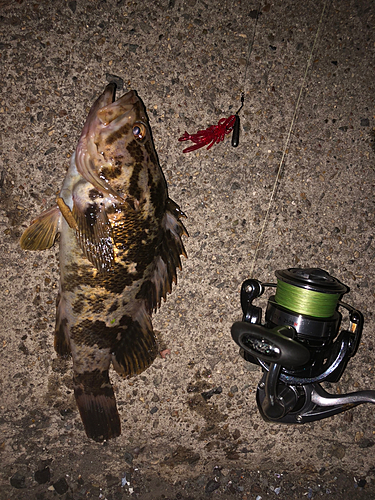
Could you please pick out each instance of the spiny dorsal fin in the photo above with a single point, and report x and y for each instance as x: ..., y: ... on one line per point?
x: 43, y: 230
x: 164, y: 271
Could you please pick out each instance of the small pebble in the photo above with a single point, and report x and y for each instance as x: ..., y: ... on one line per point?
x: 207, y: 395
x: 61, y: 486
x: 72, y: 6
x: 236, y: 434
x: 42, y: 476
x: 18, y: 481
x: 49, y: 151
x: 365, y: 443
x: 128, y: 457
x: 211, y: 486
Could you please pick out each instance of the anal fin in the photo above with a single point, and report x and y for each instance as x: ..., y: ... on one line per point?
x: 97, y: 405
x: 137, y: 347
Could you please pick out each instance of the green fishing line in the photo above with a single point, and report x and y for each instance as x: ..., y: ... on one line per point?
x: 304, y: 301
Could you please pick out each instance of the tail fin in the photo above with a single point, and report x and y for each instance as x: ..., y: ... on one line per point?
x: 97, y: 405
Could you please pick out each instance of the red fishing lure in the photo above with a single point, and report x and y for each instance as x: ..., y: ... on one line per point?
x: 210, y: 136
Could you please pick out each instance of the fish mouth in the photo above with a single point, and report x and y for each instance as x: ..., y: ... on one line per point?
x: 108, y: 113
x: 107, y: 97
x: 114, y: 113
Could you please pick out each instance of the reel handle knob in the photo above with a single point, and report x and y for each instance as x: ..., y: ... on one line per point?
x: 271, y: 345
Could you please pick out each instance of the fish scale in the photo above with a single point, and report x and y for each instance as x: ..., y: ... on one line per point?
x: 120, y: 247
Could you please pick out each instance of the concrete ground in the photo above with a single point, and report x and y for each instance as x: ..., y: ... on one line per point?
x: 187, y: 59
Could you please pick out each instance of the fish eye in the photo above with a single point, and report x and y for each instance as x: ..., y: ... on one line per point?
x: 139, y: 131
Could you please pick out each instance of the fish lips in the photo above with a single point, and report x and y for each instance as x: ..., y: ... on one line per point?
x: 127, y: 108
x: 107, y: 112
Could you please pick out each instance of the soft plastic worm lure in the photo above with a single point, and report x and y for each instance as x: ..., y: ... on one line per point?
x: 210, y: 136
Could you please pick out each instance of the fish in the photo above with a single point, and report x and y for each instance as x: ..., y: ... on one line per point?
x: 120, y: 245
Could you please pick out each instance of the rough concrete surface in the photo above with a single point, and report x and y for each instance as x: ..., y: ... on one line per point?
x: 187, y: 61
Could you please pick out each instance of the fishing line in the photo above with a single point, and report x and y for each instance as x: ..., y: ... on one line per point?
x: 279, y: 171
x: 237, y: 122
x: 216, y: 133
x: 304, y: 301
x: 250, y: 47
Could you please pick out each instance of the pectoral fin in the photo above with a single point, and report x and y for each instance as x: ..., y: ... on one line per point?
x: 94, y: 234
x: 43, y: 230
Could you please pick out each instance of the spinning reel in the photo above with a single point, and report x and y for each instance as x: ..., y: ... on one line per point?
x: 299, y: 345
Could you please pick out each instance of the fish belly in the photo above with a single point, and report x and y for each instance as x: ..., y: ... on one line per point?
x: 98, y: 325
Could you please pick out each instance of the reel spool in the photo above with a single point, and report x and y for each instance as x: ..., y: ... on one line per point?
x: 299, y: 345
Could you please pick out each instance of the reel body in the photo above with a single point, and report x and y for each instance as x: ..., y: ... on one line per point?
x: 300, y: 345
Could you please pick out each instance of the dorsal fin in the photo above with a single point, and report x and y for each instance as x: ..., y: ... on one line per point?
x: 164, y: 270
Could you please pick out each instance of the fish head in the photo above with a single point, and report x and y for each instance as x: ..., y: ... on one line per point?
x: 116, y: 151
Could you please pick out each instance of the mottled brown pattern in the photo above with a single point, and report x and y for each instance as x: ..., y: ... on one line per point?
x: 118, y: 134
x: 61, y: 346
x: 140, y: 240
x: 91, y: 214
x: 92, y: 333
x: 135, y: 189
x: 94, y: 194
x: 136, y: 151
x: 114, y: 306
x: 94, y: 302
x: 156, y: 194
x: 95, y: 380
x: 120, y: 259
x: 78, y: 305
x: 151, y: 152
x: 112, y: 173
x: 137, y: 347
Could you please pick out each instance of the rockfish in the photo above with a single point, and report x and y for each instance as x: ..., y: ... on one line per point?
x: 120, y: 246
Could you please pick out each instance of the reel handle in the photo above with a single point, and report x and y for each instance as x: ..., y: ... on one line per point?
x: 271, y: 345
